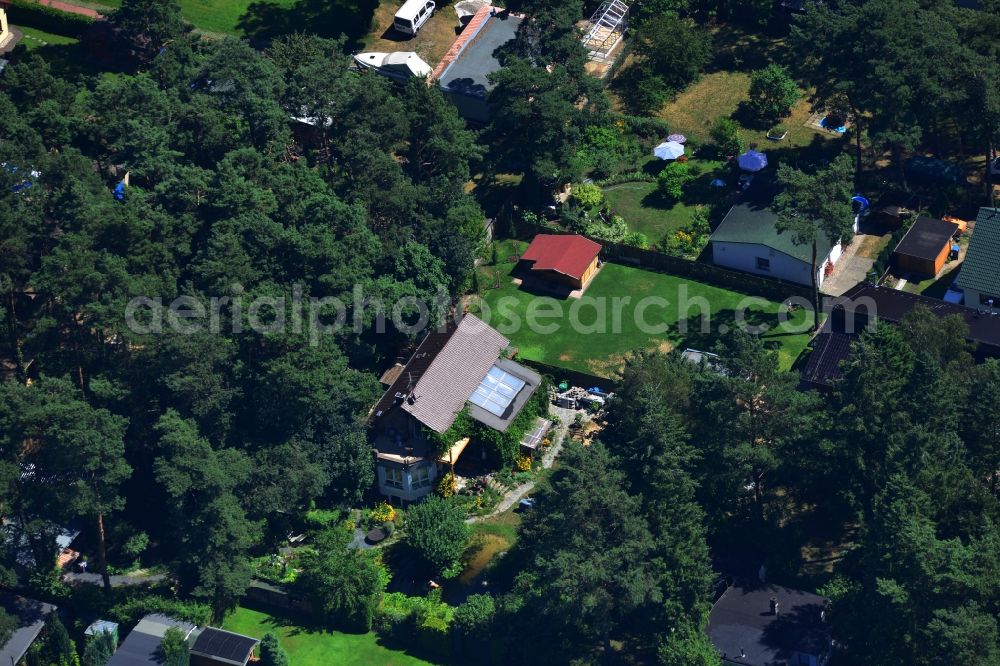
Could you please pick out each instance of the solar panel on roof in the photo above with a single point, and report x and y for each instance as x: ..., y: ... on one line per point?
x: 224, y: 645
x: 497, y: 390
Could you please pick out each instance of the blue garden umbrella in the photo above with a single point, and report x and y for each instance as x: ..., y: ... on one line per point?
x: 752, y: 161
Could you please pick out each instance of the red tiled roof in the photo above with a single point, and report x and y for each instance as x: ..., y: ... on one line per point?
x: 566, y: 254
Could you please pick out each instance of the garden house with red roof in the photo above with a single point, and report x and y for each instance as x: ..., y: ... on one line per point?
x: 564, y: 259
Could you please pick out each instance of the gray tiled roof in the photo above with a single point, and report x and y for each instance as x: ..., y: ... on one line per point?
x: 981, y: 268
x: 456, y: 371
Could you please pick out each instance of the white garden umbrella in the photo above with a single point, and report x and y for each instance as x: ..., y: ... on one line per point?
x: 669, y: 150
x: 752, y: 161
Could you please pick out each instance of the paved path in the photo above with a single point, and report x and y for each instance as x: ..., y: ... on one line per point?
x: 515, y: 495
x: 850, y: 269
x: 129, y: 580
x: 70, y: 8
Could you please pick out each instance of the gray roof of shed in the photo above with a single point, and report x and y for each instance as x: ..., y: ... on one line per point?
x: 31, y: 616
x: 142, y: 646
x: 926, y: 238
x: 445, y: 386
x: 981, y: 268
x: 741, y: 620
x: 469, y: 71
x: 752, y: 221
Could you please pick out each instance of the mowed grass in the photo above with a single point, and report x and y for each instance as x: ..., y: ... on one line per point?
x: 221, y: 16
x: 308, y: 647
x: 608, y: 325
x: 649, y: 213
x: 721, y: 93
x: 646, y: 211
x: 37, y: 39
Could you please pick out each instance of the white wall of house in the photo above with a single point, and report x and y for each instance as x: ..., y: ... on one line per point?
x: 762, y: 260
x: 407, y: 484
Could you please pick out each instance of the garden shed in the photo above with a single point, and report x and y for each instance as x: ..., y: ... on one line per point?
x: 924, y: 249
x: 568, y: 259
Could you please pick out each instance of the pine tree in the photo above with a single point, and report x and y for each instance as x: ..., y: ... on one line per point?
x: 271, y: 652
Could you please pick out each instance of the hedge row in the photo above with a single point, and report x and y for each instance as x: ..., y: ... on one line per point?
x: 42, y: 17
x: 425, y: 621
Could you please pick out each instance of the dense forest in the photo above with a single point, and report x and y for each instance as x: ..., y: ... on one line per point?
x: 196, y: 450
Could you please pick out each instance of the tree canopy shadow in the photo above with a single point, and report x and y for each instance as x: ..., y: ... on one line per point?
x: 263, y: 21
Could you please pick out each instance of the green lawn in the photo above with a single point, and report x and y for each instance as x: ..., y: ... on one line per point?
x: 649, y: 213
x: 37, y: 39
x: 221, y: 16
x: 604, y: 340
x: 307, y: 647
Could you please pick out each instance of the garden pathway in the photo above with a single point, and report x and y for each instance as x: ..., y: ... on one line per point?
x: 515, y: 495
x: 127, y: 580
x: 71, y: 8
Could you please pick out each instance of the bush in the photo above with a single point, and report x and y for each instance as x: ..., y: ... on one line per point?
x: 33, y: 15
x: 383, y: 512
x: 726, y: 136
x: 446, y: 485
x: 427, y: 617
x: 436, y: 529
x: 672, y: 180
x: 772, y: 92
x: 175, y: 648
x: 271, y: 652
x: 691, y: 239
x: 613, y: 231
x: 475, y: 616
x: 588, y: 196
x: 323, y: 518
x: 344, y: 585
x: 131, y: 611
x: 609, y: 149
x: 636, y: 239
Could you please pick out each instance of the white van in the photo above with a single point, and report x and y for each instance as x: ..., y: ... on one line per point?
x: 412, y: 15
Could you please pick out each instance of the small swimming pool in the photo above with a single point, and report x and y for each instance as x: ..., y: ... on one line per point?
x: 834, y: 124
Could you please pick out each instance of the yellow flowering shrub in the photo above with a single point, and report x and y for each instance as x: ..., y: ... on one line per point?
x: 524, y: 463
x: 447, y: 485
x: 383, y: 512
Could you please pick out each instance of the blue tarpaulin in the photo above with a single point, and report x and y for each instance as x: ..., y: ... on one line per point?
x: 120, y: 191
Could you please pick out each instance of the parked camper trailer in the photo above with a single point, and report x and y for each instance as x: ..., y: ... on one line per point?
x: 412, y: 15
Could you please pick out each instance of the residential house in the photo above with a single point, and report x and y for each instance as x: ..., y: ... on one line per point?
x: 767, y: 625
x: 925, y: 247
x: 561, y: 259
x: 451, y: 370
x: 31, y: 617
x: 865, y: 304
x: 463, y: 72
x: 208, y: 646
x: 747, y: 240
x: 979, y: 277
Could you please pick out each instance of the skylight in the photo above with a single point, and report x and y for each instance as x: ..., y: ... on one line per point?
x: 497, y: 390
